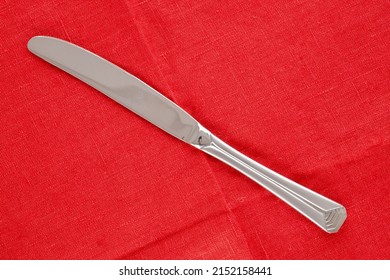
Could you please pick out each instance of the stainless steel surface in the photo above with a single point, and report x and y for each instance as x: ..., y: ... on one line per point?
x: 327, y: 214
x: 117, y: 84
x: 154, y: 107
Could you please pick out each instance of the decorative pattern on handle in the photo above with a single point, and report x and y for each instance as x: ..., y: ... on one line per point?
x: 327, y: 214
x: 334, y: 219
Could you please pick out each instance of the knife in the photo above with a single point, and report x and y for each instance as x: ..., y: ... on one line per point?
x: 151, y: 105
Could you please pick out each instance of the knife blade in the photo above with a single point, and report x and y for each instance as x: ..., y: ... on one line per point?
x: 151, y: 105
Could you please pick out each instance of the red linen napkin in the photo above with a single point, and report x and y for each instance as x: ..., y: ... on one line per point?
x: 301, y: 87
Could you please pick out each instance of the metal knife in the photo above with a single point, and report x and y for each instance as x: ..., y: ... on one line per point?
x: 151, y: 105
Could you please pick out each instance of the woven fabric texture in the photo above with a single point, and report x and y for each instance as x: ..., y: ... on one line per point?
x: 302, y: 87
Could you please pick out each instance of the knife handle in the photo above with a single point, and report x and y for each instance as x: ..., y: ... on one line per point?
x: 325, y: 213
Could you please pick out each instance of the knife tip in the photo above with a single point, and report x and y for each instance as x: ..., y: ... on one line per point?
x: 34, y: 42
x: 31, y: 44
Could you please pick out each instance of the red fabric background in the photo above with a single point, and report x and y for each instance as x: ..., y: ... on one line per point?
x: 303, y: 87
